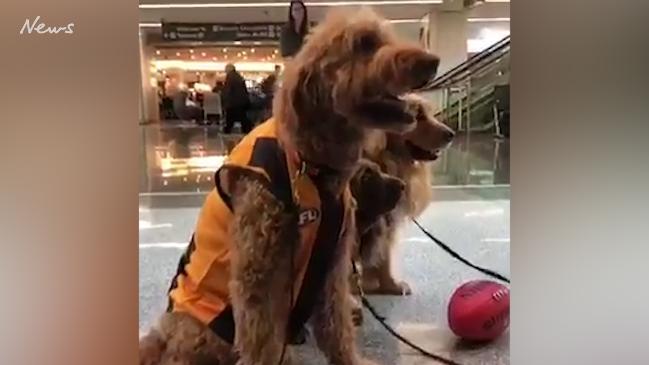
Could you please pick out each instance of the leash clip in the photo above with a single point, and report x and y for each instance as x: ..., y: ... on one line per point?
x: 301, y: 171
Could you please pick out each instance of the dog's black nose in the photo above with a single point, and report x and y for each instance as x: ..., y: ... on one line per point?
x: 449, y: 135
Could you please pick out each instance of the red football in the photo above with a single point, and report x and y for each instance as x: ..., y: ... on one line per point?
x: 479, y: 310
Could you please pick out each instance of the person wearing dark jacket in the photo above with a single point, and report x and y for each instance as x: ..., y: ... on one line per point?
x: 295, y: 30
x: 235, y: 100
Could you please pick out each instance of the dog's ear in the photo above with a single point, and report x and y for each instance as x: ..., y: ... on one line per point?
x: 230, y: 178
x: 376, y: 194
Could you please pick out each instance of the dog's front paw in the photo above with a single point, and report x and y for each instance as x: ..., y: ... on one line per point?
x: 357, y: 316
x: 402, y: 288
x: 391, y: 287
x: 357, y: 310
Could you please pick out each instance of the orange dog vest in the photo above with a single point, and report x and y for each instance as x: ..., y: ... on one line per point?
x: 200, y: 286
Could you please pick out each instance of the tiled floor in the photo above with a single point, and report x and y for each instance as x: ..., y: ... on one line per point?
x: 470, y: 212
x: 478, y: 229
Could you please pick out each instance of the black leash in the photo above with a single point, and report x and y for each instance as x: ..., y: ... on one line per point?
x: 382, y: 320
x: 394, y: 333
x: 457, y: 256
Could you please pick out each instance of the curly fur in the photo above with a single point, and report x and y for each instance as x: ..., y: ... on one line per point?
x: 179, y: 339
x: 344, y: 82
x: 264, y: 230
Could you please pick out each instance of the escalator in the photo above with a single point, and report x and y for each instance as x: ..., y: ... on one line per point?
x: 474, y: 96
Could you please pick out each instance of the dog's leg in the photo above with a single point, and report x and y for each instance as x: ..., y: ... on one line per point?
x: 178, y: 338
x: 332, y: 319
x: 262, y: 234
x: 377, y: 267
x: 387, y: 283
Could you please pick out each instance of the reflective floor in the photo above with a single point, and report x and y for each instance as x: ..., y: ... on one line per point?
x: 183, y: 158
x: 470, y: 213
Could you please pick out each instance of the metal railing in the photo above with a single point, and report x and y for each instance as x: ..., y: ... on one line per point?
x: 465, y: 94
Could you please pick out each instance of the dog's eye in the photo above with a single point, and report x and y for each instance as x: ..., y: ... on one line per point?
x: 366, y: 43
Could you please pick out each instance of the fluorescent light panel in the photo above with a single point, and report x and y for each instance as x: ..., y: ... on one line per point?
x: 213, y: 66
x: 487, y: 20
x: 150, y: 25
x: 286, y: 4
x: 394, y: 21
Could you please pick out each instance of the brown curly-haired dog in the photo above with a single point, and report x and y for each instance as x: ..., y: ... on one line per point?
x: 273, y: 242
x: 409, y: 157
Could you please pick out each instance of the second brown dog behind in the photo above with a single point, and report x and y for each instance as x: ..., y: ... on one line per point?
x: 408, y: 157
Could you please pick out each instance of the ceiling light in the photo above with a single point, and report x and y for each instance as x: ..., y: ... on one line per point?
x: 150, y: 25
x: 225, y: 49
x: 178, y: 54
x: 237, y: 42
x: 487, y: 20
x: 397, y: 21
x: 157, y: 52
x: 203, y: 54
x: 248, y: 66
x: 286, y: 4
x: 191, y: 51
x: 213, y: 58
x: 405, y: 21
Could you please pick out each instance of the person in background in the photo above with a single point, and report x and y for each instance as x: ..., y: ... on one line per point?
x: 186, y: 109
x: 235, y: 100
x: 268, y: 88
x: 293, y: 33
x: 218, y: 87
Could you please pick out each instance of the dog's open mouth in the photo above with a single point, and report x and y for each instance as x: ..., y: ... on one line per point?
x: 420, y: 154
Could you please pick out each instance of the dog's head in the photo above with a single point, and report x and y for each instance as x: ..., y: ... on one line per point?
x: 376, y: 193
x: 349, y: 77
x: 424, y: 143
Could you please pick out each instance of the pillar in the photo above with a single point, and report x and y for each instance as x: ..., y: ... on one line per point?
x: 448, y: 34
x: 445, y: 33
x: 149, y: 111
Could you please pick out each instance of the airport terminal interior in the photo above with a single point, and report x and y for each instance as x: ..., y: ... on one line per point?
x: 184, y: 138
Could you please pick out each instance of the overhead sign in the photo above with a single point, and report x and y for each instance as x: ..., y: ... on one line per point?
x: 221, y: 32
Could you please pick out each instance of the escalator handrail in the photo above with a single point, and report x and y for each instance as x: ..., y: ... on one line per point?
x: 473, y: 60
